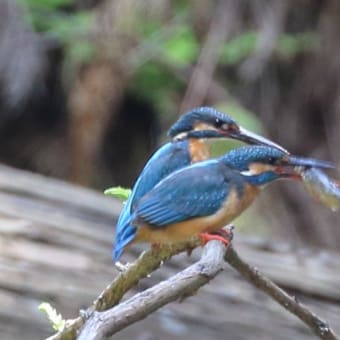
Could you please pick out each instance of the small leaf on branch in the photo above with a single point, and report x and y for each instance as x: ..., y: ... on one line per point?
x: 118, y: 192
x: 56, y: 319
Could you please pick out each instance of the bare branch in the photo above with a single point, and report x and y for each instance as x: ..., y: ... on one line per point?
x: 98, y: 323
x: 147, y: 263
x: 187, y: 282
x: 318, y: 326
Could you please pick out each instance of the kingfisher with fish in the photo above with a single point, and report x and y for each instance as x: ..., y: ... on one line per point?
x: 202, y: 198
x: 189, y: 145
x: 180, y: 193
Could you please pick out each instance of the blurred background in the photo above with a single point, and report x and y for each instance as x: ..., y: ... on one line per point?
x: 88, y: 89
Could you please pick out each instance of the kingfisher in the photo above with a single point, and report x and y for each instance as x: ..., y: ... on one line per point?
x: 188, y: 146
x: 202, y: 198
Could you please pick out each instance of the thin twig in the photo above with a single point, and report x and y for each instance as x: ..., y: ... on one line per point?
x: 318, y: 326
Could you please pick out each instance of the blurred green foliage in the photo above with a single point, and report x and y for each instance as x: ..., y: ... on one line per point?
x: 238, y: 48
x: 182, y: 48
x: 59, y: 20
x: 174, y: 48
x: 174, y: 53
x: 155, y: 83
x: 290, y: 45
x: 48, y: 4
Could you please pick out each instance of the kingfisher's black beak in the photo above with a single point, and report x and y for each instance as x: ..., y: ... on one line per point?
x: 293, y: 166
x: 250, y: 137
x: 309, y: 163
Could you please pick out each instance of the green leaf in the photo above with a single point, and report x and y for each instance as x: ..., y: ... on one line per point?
x: 57, y: 321
x: 118, y: 192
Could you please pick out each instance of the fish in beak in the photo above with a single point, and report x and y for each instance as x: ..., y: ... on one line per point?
x: 295, y: 167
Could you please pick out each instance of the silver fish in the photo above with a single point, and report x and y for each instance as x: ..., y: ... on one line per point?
x: 321, y: 187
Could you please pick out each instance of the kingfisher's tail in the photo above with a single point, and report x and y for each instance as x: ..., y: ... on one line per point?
x: 124, y: 232
x: 126, y: 235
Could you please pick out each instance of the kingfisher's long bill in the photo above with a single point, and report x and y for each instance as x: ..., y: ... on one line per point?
x: 310, y: 162
x: 250, y: 137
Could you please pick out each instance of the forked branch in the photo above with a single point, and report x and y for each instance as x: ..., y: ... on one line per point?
x: 101, y: 320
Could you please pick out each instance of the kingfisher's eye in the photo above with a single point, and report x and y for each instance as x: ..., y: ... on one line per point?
x: 271, y: 160
x: 218, y: 122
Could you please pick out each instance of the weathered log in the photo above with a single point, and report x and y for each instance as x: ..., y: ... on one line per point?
x: 55, y: 246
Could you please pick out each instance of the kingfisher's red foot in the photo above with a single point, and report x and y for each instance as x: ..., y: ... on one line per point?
x: 206, y: 237
x: 227, y: 232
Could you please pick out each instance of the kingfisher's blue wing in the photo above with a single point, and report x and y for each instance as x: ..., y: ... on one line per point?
x: 195, y: 191
x: 169, y: 158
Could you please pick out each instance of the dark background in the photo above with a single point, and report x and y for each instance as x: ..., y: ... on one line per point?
x: 88, y: 88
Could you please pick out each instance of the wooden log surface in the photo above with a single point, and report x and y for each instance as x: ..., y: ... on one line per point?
x: 55, y: 246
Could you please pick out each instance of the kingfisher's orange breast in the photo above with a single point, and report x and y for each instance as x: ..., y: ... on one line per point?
x: 229, y: 210
x: 199, y: 150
